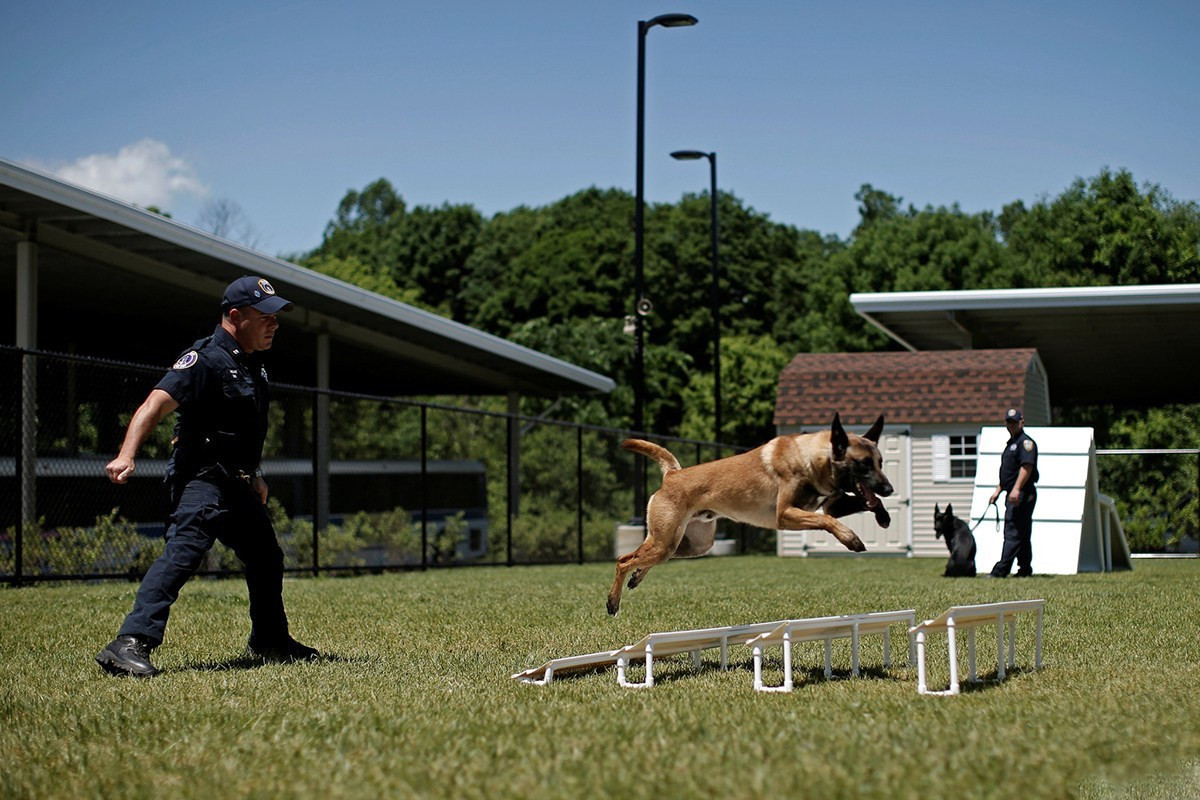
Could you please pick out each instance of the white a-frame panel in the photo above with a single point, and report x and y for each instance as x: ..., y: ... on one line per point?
x: 1072, y: 531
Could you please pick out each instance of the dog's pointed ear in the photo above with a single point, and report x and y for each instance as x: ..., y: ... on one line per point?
x: 838, y: 438
x: 876, y: 430
x: 937, y: 509
x: 949, y: 509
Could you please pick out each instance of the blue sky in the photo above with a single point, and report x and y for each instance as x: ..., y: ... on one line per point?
x: 283, y: 106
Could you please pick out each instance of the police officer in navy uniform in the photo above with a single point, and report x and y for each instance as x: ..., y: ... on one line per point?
x: 1018, y: 477
x: 219, y: 387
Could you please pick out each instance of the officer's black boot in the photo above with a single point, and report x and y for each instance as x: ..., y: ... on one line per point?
x: 282, y: 652
x: 127, y: 655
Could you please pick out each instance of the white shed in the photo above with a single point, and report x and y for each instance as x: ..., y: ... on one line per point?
x: 935, y: 404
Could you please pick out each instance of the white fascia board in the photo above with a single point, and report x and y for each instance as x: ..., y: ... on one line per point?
x: 866, y: 303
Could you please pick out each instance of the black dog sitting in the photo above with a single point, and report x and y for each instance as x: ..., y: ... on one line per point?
x: 959, y: 541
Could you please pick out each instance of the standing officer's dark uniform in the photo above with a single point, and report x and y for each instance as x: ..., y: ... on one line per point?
x: 1018, y: 517
x: 221, y: 425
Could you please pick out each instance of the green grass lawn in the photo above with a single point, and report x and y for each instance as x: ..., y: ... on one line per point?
x: 415, y: 697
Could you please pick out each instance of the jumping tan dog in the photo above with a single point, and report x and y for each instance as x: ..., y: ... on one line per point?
x: 782, y: 485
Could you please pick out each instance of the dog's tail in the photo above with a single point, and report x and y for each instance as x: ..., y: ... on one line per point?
x: 662, y: 455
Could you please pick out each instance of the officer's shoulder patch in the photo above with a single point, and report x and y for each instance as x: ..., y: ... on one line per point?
x: 186, y: 360
x: 1029, y: 445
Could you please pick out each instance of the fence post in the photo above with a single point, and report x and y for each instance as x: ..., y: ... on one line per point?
x: 19, y: 474
x: 424, y: 485
x: 508, y: 486
x: 579, y: 491
x: 27, y: 459
x: 316, y: 484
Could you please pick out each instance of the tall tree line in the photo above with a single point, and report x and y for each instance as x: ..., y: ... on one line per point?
x: 559, y: 278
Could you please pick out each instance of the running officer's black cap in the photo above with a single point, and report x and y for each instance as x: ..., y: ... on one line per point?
x: 253, y: 292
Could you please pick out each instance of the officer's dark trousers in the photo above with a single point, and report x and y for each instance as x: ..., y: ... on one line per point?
x: 206, y: 512
x: 1018, y: 529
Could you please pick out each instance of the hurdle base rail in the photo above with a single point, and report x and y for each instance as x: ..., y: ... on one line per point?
x: 956, y: 618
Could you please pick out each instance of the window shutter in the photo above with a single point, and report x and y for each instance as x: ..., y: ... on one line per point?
x: 941, y: 457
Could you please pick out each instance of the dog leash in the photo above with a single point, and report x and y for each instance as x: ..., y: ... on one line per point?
x: 984, y: 516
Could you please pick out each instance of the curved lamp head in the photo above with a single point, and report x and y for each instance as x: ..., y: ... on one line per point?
x: 670, y: 21
x: 689, y: 155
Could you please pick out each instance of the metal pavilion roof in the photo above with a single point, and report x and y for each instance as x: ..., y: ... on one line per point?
x: 102, y: 261
x: 1120, y: 345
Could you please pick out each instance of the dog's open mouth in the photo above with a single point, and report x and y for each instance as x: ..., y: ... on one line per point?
x: 867, y: 495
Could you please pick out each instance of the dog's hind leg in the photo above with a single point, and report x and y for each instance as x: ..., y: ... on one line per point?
x: 664, y: 529
x: 696, y: 541
x: 636, y: 577
x: 639, y: 563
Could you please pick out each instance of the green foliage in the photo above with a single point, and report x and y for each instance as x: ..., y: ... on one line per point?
x: 750, y: 368
x: 567, y: 261
x: 364, y: 224
x: 388, y: 538
x: 352, y: 270
x: 110, y: 546
x: 1104, y: 231
x: 1157, y: 497
x: 560, y: 279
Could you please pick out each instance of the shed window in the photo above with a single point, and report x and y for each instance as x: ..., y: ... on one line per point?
x: 954, y: 456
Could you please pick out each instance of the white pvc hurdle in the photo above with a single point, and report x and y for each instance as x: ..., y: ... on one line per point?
x: 674, y: 642
x: 970, y: 618
x: 850, y: 626
x: 661, y: 644
x: 757, y: 635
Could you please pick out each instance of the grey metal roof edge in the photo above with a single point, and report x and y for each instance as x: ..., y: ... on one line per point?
x: 866, y: 303
x: 68, y: 194
x: 441, y: 326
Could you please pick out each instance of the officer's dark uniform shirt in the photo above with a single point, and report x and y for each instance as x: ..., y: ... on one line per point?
x: 1019, y: 451
x: 223, y: 396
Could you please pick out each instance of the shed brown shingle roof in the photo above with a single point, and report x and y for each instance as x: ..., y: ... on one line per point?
x: 922, y: 387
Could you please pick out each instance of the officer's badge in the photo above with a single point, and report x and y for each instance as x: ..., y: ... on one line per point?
x: 265, y: 286
x: 1029, y: 445
x: 186, y: 360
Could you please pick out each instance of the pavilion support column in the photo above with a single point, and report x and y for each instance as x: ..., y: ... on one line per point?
x: 27, y: 305
x: 514, y: 467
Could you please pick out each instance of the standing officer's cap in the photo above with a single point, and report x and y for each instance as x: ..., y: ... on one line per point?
x: 255, y: 293
x: 1013, y: 415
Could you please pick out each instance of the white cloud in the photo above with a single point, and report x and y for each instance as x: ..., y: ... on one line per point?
x: 144, y: 173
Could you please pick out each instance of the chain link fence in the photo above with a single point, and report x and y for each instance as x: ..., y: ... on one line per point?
x: 408, y: 484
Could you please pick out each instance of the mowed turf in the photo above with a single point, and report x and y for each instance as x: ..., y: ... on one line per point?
x: 415, y: 697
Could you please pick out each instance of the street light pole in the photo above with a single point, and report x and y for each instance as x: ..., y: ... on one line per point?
x: 641, y: 305
x: 715, y: 295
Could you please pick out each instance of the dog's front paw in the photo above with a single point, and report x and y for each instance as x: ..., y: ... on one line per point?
x: 882, y: 516
x: 849, y: 538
